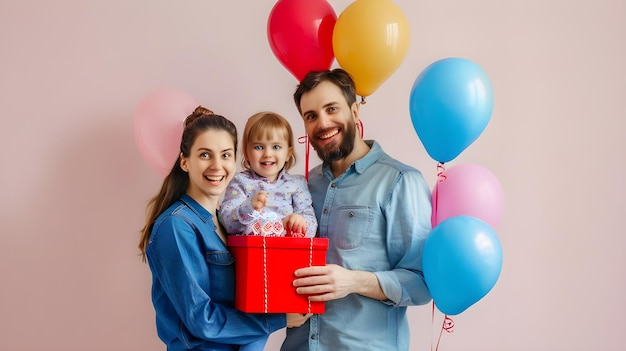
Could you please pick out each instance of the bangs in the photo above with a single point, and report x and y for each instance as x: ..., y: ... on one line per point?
x: 270, y: 127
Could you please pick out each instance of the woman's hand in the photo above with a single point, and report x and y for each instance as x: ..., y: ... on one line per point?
x: 297, y: 319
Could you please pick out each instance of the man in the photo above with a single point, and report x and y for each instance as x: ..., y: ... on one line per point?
x: 375, y: 211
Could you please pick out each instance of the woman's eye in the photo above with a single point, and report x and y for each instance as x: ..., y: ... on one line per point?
x: 226, y: 156
x: 204, y: 155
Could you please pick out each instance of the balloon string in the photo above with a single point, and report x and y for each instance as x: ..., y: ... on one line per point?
x: 447, y: 325
x: 363, y: 102
x: 440, y: 171
x: 440, y: 178
x: 360, y: 127
x: 305, y: 140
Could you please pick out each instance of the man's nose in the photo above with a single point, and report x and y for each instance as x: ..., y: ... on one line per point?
x: 323, y: 119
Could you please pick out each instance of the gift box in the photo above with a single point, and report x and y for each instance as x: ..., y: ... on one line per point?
x: 264, y: 268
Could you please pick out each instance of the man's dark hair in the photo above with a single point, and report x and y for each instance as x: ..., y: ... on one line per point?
x: 337, y: 76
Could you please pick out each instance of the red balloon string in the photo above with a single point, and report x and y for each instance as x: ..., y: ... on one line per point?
x: 447, y: 325
x: 360, y: 127
x: 305, y: 140
x: 440, y: 178
x: 440, y: 172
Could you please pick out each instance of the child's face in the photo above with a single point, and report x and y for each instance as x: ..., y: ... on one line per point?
x: 267, y: 156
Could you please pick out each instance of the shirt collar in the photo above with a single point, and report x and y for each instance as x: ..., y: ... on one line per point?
x: 200, y: 211
x: 364, y: 162
x: 254, y: 175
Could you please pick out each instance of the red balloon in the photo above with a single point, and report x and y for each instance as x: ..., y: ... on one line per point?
x: 300, y: 33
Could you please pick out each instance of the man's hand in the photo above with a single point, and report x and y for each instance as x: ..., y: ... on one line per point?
x: 331, y: 282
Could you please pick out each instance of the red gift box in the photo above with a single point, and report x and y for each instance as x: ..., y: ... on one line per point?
x: 264, y: 269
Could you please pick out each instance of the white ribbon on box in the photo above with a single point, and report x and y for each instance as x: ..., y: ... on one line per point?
x: 265, y: 288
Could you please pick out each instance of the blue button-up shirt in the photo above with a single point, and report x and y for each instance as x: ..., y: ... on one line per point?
x: 376, y: 216
x: 193, y: 284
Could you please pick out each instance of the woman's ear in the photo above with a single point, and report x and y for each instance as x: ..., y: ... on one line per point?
x: 183, y: 163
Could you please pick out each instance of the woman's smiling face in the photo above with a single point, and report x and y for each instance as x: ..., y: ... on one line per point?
x: 211, y: 164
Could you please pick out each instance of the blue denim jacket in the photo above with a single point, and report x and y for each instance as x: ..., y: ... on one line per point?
x: 193, y: 284
x: 376, y: 216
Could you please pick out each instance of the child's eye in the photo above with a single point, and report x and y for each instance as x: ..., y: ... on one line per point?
x: 277, y: 147
x: 258, y: 147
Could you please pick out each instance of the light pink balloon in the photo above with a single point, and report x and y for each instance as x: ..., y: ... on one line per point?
x: 159, y: 126
x: 468, y: 190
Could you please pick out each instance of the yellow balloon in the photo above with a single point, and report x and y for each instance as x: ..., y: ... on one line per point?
x: 370, y: 40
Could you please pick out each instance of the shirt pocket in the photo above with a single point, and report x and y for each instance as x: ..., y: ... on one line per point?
x: 221, y: 275
x: 350, y: 226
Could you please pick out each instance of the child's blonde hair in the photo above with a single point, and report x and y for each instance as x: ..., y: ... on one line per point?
x: 265, y: 124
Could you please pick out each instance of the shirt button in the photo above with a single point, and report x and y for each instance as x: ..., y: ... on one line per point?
x: 325, y: 211
x: 351, y: 214
x: 313, y: 337
x: 333, y: 185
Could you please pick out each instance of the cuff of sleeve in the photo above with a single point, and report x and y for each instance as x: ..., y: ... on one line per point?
x: 391, y: 288
x: 276, y: 322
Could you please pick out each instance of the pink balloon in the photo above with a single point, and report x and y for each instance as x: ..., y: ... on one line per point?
x: 467, y: 190
x: 159, y: 126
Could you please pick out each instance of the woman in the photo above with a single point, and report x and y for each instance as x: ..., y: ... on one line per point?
x: 192, y: 270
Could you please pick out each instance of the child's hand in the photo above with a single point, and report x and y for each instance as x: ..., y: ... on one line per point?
x: 259, y: 200
x: 295, y: 225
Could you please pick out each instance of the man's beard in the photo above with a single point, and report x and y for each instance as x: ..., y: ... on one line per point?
x: 330, y: 153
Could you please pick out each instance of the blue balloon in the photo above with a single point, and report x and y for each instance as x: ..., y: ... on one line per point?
x: 450, y: 105
x: 462, y: 261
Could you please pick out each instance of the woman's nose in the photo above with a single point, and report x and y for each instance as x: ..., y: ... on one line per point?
x: 216, y: 163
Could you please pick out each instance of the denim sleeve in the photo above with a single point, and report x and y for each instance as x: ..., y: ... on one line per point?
x: 178, y: 262
x: 408, y: 225
x: 235, y: 210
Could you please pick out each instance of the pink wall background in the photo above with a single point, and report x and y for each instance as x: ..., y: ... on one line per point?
x: 74, y: 187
